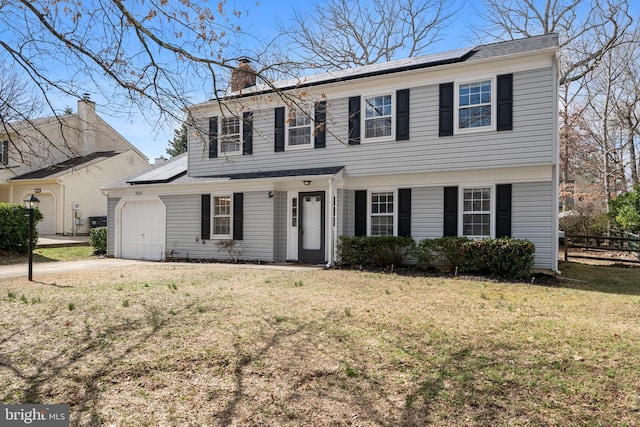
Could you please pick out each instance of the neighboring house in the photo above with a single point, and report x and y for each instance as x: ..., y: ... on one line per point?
x: 64, y: 161
x: 461, y: 143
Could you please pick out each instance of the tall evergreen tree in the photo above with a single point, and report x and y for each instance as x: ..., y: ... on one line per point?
x: 179, y: 143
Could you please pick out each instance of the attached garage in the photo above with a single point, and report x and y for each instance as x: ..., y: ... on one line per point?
x: 142, y: 229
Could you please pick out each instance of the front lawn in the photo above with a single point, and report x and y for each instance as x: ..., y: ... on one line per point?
x: 174, y: 344
x: 70, y: 253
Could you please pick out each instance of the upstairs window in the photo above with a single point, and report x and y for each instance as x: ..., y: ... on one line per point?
x: 230, y: 132
x: 299, y: 128
x: 4, y: 153
x: 475, y: 107
x: 378, y: 116
x: 476, y: 212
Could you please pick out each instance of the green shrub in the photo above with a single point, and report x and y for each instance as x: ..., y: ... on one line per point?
x: 98, y: 239
x: 443, y: 250
x: 14, y: 227
x: 381, y: 251
x: 504, y: 257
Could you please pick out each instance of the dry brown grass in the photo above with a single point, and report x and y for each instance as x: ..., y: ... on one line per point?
x: 182, y: 345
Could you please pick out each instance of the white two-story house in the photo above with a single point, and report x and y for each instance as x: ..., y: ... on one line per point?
x: 460, y: 143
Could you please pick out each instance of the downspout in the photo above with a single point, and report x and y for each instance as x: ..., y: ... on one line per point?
x: 64, y: 213
x: 331, y: 226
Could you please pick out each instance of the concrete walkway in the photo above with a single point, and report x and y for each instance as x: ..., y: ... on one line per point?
x: 21, y: 270
x: 54, y: 240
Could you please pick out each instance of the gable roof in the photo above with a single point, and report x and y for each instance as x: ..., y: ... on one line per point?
x: 68, y: 165
x: 480, y: 52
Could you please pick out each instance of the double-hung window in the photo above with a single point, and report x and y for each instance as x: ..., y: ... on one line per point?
x: 221, y: 216
x: 382, y: 211
x: 474, y: 105
x: 299, y: 128
x: 378, y: 116
x: 476, y: 212
x: 230, y: 135
x: 4, y: 153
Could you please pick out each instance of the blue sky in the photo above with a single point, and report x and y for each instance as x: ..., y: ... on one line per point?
x: 260, y: 21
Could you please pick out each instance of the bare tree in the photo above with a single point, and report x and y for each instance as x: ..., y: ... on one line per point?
x: 155, y: 56
x: 343, y: 34
x: 588, y: 29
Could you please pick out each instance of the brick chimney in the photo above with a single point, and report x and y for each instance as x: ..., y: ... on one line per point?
x: 86, y: 125
x: 243, y: 76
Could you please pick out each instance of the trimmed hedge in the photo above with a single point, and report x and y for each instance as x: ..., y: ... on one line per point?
x: 14, y: 227
x: 381, y: 251
x: 443, y: 250
x: 504, y: 257
x: 98, y: 239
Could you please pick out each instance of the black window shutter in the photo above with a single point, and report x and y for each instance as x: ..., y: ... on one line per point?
x: 205, y: 228
x: 503, y: 210
x: 402, y: 115
x: 404, y: 212
x: 213, y: 137
x: 505, y: 102
x: 450, y: 211
x: 446, y: 110
x: 238, y: 215
x: 320, y: 139
x: 361, y: 213
x: 354, y: 120
x: 247, y: 132
x: 279, y: 129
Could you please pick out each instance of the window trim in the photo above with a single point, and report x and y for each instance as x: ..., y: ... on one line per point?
x: 492, y: 209
x: 395, y: 209
x: 311, y: 116
x: 221, y: 136
x: 456, y: 105
x: 213, y: 217
x: 4, y: 154
x: 363, y: 117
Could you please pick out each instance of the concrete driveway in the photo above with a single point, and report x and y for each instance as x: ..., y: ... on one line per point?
x: 18, y: 270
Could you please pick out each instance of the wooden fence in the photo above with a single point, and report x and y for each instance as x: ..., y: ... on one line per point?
x: 622, y: 243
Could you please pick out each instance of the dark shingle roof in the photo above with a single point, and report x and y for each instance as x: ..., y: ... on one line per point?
x: 72, y: 163
x: 498, y: 49
x: 331, y: 170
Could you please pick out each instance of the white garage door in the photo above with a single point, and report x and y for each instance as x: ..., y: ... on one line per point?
x: 47, y: 208
x: 143, y: 230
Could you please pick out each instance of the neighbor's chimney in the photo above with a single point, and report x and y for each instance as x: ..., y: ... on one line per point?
x: 87, y: 125
x: 243, y: 76
x: 159, y: 160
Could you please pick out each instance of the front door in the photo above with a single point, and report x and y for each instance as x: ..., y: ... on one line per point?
x: 311, y: 227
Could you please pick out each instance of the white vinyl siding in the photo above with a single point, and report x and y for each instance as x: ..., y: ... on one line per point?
x: 531, y: 143
x: 533, y: 218
x: 184, y: 225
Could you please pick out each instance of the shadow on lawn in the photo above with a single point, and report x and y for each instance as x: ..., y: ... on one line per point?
x: 66, y: 363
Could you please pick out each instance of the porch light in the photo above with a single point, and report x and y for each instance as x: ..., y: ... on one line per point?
x: 31, y: 203
x: 306, y: 182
